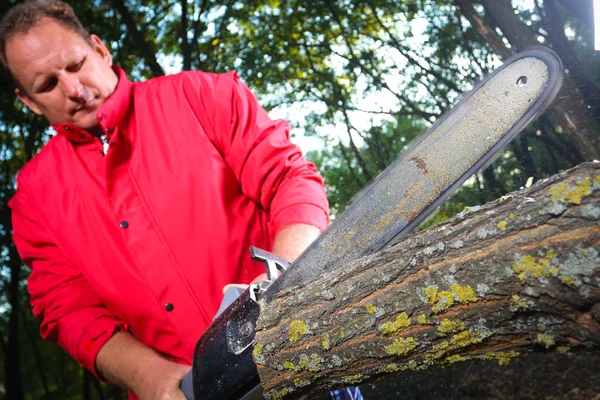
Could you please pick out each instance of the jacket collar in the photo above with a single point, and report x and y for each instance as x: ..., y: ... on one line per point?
x: 110, y: 114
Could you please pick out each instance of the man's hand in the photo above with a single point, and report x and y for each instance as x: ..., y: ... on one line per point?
x: 128, y: 363
x: 163, y: 381
x: 288, y: 244
x: 243, y: 286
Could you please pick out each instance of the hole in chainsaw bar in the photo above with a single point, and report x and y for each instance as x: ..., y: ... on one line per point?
x: 522, y: 81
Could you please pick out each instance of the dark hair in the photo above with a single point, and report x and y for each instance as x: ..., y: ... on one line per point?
x: 25, y: 16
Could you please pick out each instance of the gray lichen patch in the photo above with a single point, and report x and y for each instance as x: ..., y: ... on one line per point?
x: 484, y: 233
x: 590, y: 211
x: 482, y: 289
x: 467, y: 210
x: 449, y: 280
x: 457, y: 244
x: 481, y: 329
x: 311, y: 363
x: 518, y: 303
x: 554, y: 209
x: 580, y: 263
x: 431, y: 250
x: 336, y: 361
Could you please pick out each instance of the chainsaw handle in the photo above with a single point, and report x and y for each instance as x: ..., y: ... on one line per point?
x: 230, y: 295
x: 186, y: 386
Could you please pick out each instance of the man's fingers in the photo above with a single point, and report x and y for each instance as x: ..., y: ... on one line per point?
x: 261, y: 277
x: 235, y: 285
x: 242, y: 286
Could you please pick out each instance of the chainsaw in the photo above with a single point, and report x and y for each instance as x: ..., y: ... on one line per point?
x: 467, y: 138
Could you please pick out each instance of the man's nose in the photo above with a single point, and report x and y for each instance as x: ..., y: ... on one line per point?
x: 72, y: 87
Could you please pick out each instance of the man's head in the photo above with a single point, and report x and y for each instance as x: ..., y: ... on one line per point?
x: 60, y: 70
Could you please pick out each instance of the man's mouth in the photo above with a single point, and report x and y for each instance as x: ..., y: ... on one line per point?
x: 88, y: 104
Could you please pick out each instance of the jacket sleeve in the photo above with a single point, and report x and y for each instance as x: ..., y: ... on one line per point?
x: 270, y: 169
x: 72, y: 314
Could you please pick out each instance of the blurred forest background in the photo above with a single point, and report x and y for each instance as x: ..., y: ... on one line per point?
x: 357, y: 79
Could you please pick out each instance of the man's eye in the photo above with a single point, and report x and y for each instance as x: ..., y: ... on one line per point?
x: 76, y: 67
x: 48, y: 86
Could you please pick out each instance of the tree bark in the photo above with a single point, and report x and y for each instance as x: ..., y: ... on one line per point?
x: 520, y: 274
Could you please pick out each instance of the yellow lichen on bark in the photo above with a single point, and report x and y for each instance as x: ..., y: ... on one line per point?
x: 443, y: 299
x: 394, y: 327
x: 449, y: 326
x: 296, y: 329
x: 564, y: 192
x: 529, y: 267
x: 401, y: 346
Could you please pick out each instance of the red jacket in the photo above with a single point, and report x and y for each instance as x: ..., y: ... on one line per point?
x: 144, y: 238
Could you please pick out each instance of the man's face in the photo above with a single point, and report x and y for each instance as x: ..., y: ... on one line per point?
x: 61, y: 75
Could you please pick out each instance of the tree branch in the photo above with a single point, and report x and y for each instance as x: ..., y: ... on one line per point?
x: 488, y: 34
x: 398, y: 46
x: 148, y: 53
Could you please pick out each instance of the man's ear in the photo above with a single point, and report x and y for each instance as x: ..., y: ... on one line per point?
x: 27, y: 101
x: 101, y: 49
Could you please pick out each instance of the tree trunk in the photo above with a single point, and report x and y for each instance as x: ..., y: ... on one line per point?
x: 520, y: 274
x: 521, y: 150
x: 33, y: 338
x: 582, y: 9
x: 495, y: 188
x: 514, y: 30
x: 86, y: 392
x: 562, y: 46
x: 12, y: 362
x: 14, y: 386
x: 186, y: 49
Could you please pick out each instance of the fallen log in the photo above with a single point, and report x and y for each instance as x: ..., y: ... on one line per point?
x: 520, y: 274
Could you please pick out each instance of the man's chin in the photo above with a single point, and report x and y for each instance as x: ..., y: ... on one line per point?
x: 87, y: 124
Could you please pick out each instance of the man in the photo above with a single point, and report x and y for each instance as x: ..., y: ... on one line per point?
x: 143, y: 206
